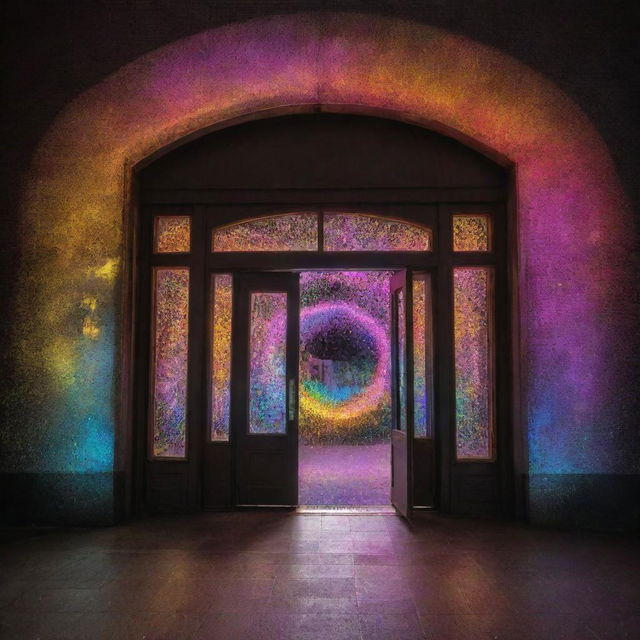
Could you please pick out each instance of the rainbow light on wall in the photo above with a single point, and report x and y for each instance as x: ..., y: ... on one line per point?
x: 574, y: 221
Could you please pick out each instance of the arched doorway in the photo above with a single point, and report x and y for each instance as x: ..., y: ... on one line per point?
x: 388, y: 230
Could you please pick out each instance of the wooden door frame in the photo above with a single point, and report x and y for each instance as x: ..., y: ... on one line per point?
x: 438, y: 262
x: 244, y: 284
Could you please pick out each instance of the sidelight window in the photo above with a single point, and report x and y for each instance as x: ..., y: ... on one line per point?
x: 473, y: 338
x: 221, y: 304
x: 169, y: 362
x: 422, y: 357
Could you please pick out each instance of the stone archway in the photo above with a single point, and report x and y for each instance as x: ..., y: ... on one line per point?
x: 573, y: 238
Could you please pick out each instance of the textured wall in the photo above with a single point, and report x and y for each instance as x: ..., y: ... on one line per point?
x: 576, y: 283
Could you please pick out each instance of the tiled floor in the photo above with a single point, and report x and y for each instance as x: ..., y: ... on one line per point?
x: 286, y: 576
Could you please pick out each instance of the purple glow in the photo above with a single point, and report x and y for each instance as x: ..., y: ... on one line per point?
x: 345, y: 474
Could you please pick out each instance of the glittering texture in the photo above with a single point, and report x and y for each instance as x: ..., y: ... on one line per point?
x: 575, y: 249
x: 471, y: 233
x: 401, y: 355
x: 221, y: 295
x: 422, y: 357
x: 472, y: 331
x: 267, y: 363
x: 169, y: 367
x: 356, y: 232
x: 344, y: 356
x: 172, y: 234
x: 288, y: 232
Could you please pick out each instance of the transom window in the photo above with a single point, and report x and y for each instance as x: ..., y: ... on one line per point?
x: 322, y: 232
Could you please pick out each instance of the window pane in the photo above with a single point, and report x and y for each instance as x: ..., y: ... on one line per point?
x: 357, y: 232
x: 221, y: 295
x: 471, y: 233
x: 422, y: 357
x: 401, y: 361
x: 268, y: 363
x: 289, y: 232
x: 473, y: 362
x: 169, y: 370
x: 172, y: 234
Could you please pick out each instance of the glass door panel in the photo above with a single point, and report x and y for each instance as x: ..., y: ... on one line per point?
x: 264, y: 390
x: 268, y: 363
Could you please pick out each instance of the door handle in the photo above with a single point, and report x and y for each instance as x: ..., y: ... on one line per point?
x: 292, y: 399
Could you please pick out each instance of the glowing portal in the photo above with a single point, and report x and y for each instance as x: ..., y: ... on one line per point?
x: 345, y: 415
x: 344, y: 356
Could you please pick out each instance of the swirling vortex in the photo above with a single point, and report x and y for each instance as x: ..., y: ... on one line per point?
x: 370, y: 397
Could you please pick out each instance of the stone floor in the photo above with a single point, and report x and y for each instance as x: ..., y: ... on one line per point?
x: 290, y: 576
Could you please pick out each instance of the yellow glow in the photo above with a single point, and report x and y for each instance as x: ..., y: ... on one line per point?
x: 108, y: 271
x: 90, y: 329
x: 61, y: 360
x: 90, y: 302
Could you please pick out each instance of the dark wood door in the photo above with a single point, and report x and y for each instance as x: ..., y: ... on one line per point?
x: 264, y: 392
x: 402, y: 393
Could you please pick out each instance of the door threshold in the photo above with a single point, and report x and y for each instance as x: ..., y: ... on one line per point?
x: 346, y: 510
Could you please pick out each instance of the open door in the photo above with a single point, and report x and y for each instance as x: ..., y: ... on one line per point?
x: 402, y: 393
x: 264, y: 390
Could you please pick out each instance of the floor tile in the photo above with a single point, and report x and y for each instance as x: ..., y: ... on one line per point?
x: 279, y: 575
x: 391, y: 627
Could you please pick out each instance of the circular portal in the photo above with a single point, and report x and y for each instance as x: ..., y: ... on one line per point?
x: 345, y: 362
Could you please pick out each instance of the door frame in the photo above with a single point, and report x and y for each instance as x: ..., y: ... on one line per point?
x: 243, y: 443
x: 439, y: 262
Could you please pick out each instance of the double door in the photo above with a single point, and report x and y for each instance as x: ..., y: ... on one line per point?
x: 264, y: 389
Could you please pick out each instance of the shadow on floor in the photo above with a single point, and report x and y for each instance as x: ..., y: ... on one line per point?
x: 263, y: 575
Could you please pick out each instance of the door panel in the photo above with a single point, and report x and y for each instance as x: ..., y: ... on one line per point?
x: 264, y: 390
x: 402, y: 393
